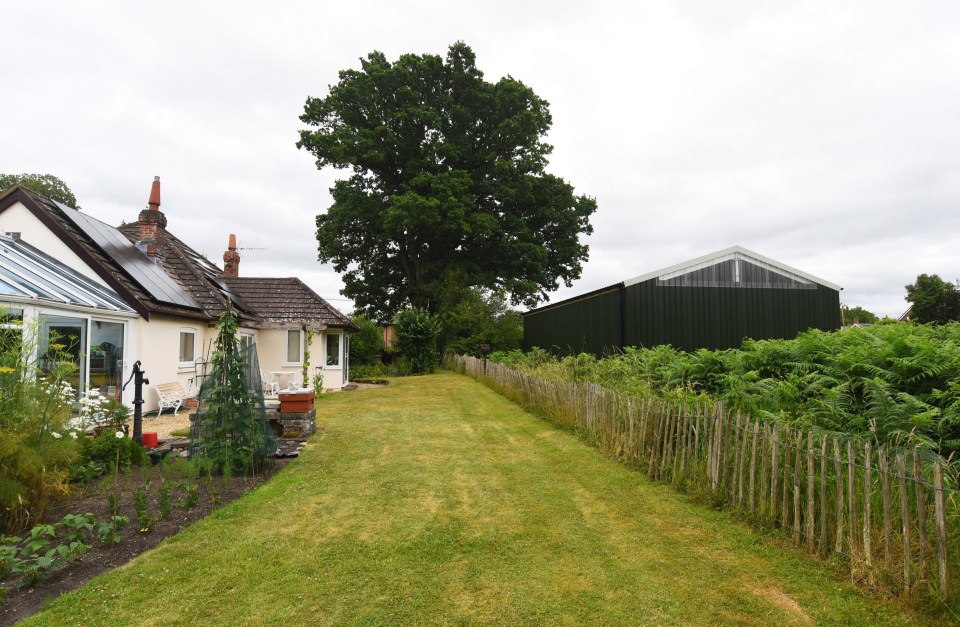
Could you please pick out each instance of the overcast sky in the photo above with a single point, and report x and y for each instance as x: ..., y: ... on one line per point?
x: 825, y: 135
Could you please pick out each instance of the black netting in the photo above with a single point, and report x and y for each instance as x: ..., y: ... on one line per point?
x: 231, y: 430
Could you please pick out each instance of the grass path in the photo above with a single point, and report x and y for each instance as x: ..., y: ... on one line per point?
x: 436, y: 500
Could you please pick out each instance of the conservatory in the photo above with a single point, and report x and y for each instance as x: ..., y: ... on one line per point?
x: 90, y: 323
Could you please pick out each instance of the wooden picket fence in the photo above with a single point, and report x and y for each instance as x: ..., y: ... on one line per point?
x: 892, y: 513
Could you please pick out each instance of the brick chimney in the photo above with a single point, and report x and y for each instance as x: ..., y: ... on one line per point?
x: 231, y: 258
x: 153, y: 223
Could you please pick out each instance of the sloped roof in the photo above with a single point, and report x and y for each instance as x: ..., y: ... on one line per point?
x: 29, y: 274
x: 720, y: 256
x: 259, y: 302
x: 195, y: 273
x: 287, y: 302
x: 51, y: 214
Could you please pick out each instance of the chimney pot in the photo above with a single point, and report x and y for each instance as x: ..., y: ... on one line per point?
x: 231, y: 258
x: 152, y: 222
x: 154, y: 201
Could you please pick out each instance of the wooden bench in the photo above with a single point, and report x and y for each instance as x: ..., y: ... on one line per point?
x: 171, y: 395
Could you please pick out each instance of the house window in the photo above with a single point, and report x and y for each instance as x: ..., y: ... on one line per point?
x: 188, y: 343
x: 333, y: 350
x: 11, y: 335
x: 245, y: 340
x: 294, y: 347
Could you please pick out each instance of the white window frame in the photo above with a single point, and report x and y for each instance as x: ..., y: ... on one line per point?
x: 326, y: 355
x: 191, y: 363
x: 286, y: 348
x: 249, y: 336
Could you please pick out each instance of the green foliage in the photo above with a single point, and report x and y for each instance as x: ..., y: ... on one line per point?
x: 367, y: 343
x: 481, y: 317
x: 899, y: 382
x: 857, y: 314
x: 229, y: 435
x: 111, y: 448
x: 140, y: 505
x: 109, y: 531
x: 36, y: 447
x: 373, y: 373
x: 191, y: 495
x: 933, y: 300
x: 417, y: 333
x: 164, y: 503
x: 43, y: 184
x: 448, y: 181
x: 35, y: 557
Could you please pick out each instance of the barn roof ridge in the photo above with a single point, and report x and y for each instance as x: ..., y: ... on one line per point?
x: 723, y: 253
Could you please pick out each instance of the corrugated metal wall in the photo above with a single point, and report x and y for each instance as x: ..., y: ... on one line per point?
x: 722, y: 317
x: 684, y: 317
x: 590, y: 324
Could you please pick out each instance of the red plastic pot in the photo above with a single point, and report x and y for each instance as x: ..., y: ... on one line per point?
x: 150, y: 439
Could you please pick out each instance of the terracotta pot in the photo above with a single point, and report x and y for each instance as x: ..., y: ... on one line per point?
x: 299, y: 401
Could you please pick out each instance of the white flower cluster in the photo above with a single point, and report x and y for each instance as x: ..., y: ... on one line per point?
x: 91, y: 411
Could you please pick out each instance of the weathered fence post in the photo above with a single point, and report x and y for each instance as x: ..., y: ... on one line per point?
x: 867, y: 497
x: 838, y: 545
x: 940, y: 513
x: 885, y: 490
x: 905, y: 517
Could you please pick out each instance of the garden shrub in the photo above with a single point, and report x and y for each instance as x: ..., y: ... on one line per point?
x: 36, y: 448
x: 367, y: 343
x: 110, y: 448
x: 417, y: 333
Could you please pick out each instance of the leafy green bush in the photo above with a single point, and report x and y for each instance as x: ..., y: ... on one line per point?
x: 367, y: 343
x: 374, y: 372
x: 110, y: 448
x: 898, y: 381
x: 417, y: 333
x: 481, y: 317
x: 36, y: 447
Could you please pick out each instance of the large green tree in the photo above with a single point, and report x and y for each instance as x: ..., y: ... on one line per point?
x: 45, y: 184
x: 448, y: 184
x: 480, y: 317
x: 857, y: 314
x: 933, y: 300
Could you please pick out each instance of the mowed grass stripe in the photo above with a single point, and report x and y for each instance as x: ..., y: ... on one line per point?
x: 436, y: 500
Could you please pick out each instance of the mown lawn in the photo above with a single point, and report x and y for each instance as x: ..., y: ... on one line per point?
x: 435, y: 500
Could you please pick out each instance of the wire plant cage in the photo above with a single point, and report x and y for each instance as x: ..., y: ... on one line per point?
x: 231, y: 430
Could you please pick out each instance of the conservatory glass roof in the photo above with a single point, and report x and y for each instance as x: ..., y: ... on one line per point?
x: 31, y: 275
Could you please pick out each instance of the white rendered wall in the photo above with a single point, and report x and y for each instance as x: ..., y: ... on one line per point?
x: 18, y: 219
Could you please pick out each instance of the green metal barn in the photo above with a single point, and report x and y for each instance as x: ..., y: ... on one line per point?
x: 714, y: 301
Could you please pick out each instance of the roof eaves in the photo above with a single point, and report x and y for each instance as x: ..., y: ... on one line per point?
x: 33, y: 204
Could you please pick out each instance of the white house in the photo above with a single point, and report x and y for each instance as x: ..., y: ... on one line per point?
x: 140, y: 293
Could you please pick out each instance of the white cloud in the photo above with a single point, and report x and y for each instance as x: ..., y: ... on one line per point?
x: 821, y: 134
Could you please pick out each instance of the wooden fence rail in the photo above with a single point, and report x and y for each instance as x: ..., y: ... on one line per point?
x: 890, y: 512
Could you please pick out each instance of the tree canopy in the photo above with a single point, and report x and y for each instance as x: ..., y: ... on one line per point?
x: 448, y: 185
x: 933, y: 300
x: 45, y: 184
x: 857, y: 314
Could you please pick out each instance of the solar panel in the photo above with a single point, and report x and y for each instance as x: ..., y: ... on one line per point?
x: 149, y: 275
x: 26, y: 271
